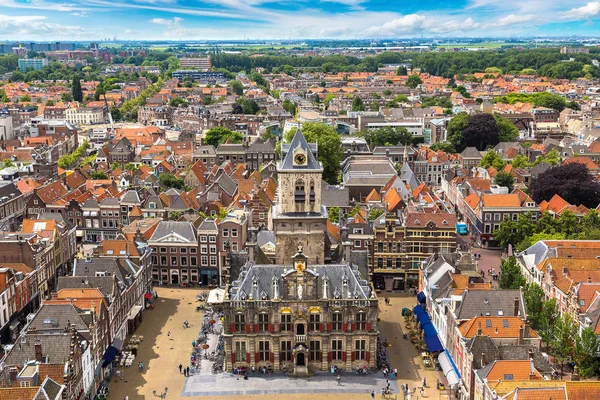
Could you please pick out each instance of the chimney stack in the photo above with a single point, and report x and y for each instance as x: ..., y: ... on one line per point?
x: 521, y: 334
x: 531, y: 368
x: 38, y: 351
x: 516, y: 310
x: 479, y: 331
x: 483, y: 360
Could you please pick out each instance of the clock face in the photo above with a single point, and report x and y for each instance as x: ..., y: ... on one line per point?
x: 300, y: 159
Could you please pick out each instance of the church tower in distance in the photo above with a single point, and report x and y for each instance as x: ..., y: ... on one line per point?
x: 299, y: 218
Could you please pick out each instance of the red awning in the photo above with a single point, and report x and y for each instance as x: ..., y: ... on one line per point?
x: 148, y: 296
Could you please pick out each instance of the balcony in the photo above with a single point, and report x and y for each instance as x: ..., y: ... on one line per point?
x: 301, y: 339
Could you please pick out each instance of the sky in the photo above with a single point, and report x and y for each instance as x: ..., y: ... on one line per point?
x: 45, y: 20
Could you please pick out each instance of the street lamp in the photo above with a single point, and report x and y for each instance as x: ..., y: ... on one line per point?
x: 161, y: 395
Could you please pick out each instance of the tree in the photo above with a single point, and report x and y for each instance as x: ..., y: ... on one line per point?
x: 586, y: 350
x: 572, y: 182
x: 171, y: 181
x: 330, y: 148
x: 508, y: 131
x: 49, y: 103
x: 455, y: 130
x: 25, y: 98
x: 98, y: 175
x: 510, y: 275
x: 375, y: 213
x: 237, y: 108
x: 388, y: 136
x: 357, y: 104
x: 401, y: 98
x: 237, y: 87
x: 66, y: 97
x: 178, y: 101
x: 402, y: 70
x: 333, y: 214
x: 573, y: 105
x: 479, y: 130
x: 492, y: 159
x: 115, y: 113
x: 250, y: 106
x: 131, y: 167
x: 76, y: 89
x: 443, y: 146
x: 505, y: 179
x: 219, y: 134
x: 413, y: 81
x: 563, y: 342
x: 289, y: 106
x: 534, y: 302
x: 520, y: 161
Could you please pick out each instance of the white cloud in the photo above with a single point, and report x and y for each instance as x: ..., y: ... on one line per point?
x: 513, y: 19
x: 168, y: 22
x: 405, y: 24
x: 590, y: 10
x: 36, y: 26
x: 80, y: 14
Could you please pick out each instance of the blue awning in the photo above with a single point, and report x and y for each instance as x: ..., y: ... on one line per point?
x: 429, y: 330
x: 418, y: 309
x: 433, y: 344
x: 109, y: 355
x: 421, y: 297
x: 423, y: 318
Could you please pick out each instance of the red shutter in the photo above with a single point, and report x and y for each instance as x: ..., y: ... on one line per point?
x: 329, y: 357
x: 321, y: 327
x: 353, y: 356
x: 233, y: 358
x: 271, y: 328
x: 343, y: 356
x: 368, y: 327
x: 368, y: 356
x: 352, y: 327
x: 231, y: 328
x: 272, y: 357
x: 247, y: 328
x: 247, y: 357
x: 256, y: 357
x: 344, y: 327
x: 255, y: 327
x: 329, y: 328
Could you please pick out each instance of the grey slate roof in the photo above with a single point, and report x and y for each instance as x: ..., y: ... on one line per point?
x: 120, y: 268
x: 521, y: 352
x: 333, y: 196
x: 50, y: 390
x: 131, y: 197
x: 263, y: 237
x: 57, y: 347
x: 258, y: 279
x: 167, y: 228
x: 480, y: 345
x: 299, y: 142
x: 470, y: 152
x: 227, y: 184
x: 489, y: 302
x: 53, y: 318
x: 208, y: 226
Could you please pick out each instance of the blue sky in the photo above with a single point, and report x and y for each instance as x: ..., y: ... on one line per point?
x: 295, y: 19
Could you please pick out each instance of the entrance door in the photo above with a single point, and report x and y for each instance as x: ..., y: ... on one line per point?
x: 300, y: 360
x: 174, y: 279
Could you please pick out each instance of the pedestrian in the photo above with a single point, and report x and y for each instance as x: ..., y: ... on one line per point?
x: 339, y: 381
x: 396, y: 371
x: 422, y: 391
x: 180, y: 366
x: 188, y: 371
x: 382, y: 392
x: 424, y: 382
x: 387, y: 382
x: 169, y: 334
x: 372, y: 394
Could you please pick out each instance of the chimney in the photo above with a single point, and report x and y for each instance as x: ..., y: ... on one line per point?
x: 531, y: 368
x: 38, y: 351
x: 565, y: 271
x: 589, y: 279
x: 516, y: 310
x: 521, y: 334
x: 479, y: 331
x: 483, y: 360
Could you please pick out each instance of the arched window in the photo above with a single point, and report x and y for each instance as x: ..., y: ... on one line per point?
x: 311, y: 194
x: 299, y: 194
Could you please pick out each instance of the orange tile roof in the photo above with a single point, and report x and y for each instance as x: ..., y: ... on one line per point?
x: 518, y: 369
x: 587, y: 161
x: 501, y: 200
x: 539, y: 394
x: 494, y: 326
x: 373, y: 196
x: 584, y: 390
x: 54, y: 371
x: 20, y: 393
x: 472, y: 200
x: 392, y: 199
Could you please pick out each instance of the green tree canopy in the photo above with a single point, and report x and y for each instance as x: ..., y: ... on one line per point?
x: 505, y: 179
x: 219, y: 134
x: 357, y: 104
x: 388, y: 136
x: 76, y: 89
x: 492, y: 159
x: 178, y: 101
x: 413, y: 81
x: 171, y: 181
x: 237, y: 87
x: 510, y: 275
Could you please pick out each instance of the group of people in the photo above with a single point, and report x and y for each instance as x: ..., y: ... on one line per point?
x: 186, y: 370
x: 392, y: 372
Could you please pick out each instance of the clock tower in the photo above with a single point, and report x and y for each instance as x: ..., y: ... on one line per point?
x: 299, y: 218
